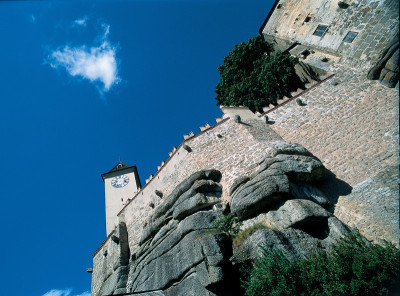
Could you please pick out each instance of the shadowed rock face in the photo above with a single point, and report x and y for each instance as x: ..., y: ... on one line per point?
x: 116, y: 282
x: 282, y: 195
x: 270, y: 184
x: 387, y: 67
x: 177, y: 256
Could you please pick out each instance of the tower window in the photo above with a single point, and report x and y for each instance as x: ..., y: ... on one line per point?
x: 320, y: 30
x: 350, y: 37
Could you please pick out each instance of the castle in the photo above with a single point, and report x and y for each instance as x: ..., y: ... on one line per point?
x: 346, y: 161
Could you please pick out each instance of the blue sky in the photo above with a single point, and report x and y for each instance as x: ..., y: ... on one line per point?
x: 82, y: 84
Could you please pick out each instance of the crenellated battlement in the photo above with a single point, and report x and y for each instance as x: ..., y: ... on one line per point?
x: 345, y: 120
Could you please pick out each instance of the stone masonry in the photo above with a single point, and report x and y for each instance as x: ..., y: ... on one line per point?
x: 352, y: 126
x: 232, y: 148
x: 376, y: 23
x: 350, y: 123
x: 373, y: 198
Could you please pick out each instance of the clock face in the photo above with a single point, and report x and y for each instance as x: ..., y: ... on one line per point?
x: 120, y: 181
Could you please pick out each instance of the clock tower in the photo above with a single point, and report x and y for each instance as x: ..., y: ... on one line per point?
x: 120, y: 184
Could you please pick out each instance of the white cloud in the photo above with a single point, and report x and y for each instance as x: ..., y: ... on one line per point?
x: 97, y: 63
x: 33, y: 19
x: 67, y: 292
x: 87, y: 293
x: 56, y: 292
x: 81, y: 22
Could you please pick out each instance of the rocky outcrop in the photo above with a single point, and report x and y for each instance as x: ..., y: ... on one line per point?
x: 282, y: 197
x: 387, y: 67
x: 270, y: 184
x: 115, y: 282
x: 199, y: 191
x: 176, y: 255
x: 294, y: 213
x: 294, y: 244
x: 182, y: 253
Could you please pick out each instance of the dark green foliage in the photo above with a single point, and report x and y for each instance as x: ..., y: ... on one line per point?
x: 353, y: 267
x: 228, y: 224
x: 251, y: 78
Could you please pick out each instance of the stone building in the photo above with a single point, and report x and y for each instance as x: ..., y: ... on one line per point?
x: 327, y: 157
x: 359, y: 33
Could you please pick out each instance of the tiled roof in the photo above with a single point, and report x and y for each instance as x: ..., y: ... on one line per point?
x: 118, y: 167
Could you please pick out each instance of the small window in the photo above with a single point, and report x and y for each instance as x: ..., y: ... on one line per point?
x: 305, y: 53
x: 320, y: 30
x: 350, y: 37
x: 307, y: 19
x: 279, y: 6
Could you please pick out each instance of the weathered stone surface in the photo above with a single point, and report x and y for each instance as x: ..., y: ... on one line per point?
x: 294, y: 244
x: 197, y: 192
x: 115, y: 265
x: 294, y: 213
x: 239, y: 181
x: 189, y: 285
x: 185, y: 186
x: 258, y: 194
x: 300, y: 190
x: 115, y: 281
x: 387, y: 67
x: 193, y: 204
x: 373, y: 207
x: 282, y: 147
x: 182, y: 252
x: 270, y: 184
x: 306, y: 73
x: 366, y: 116
x: 337, y: 230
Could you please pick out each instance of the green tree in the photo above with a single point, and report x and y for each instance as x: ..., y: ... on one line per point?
x: 252, y: 77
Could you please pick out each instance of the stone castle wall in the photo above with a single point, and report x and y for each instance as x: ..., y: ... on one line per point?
x: 230, y: 147
x: 347, y: 121
x: 375, y: 21
x: 351, y: 124
x: 373, y: 206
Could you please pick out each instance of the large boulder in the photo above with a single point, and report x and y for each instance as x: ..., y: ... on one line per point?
x: 285, y: 164
x: 177, y: 255
x: 301, y: 190
x: 200, y: 191
x: 294, y: 244
x: 291, y: 213
x: 295, y: 213
x: 261, y: 192
x: 186, y: 254
x: 386, y: 68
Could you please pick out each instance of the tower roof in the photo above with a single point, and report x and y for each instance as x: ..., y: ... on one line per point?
x: 119, y: 167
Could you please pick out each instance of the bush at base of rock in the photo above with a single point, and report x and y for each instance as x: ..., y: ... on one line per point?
x: 353, y: 267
